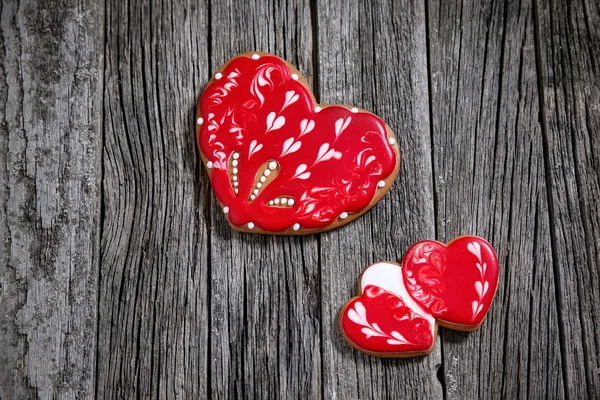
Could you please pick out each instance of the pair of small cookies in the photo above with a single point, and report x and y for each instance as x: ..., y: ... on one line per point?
x: 280, y: 163
x: 400, y: 306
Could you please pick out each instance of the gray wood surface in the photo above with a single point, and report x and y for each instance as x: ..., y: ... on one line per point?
x: 50, y: 146
x: 489, y: 181
x: 120, y: 277
x: 153, y: 288
x: 569, y: 74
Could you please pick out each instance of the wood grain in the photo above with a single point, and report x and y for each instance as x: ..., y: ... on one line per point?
x: 373, y: 55
x: 569, y: 68
x: 265, y: 298
x: 153, y: 303
x: 120, y: 277
x: 50, y: 146
x: 490, y: 181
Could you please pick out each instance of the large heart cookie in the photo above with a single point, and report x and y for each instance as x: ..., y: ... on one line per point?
x: 400, y: 306
x: 280, y: 163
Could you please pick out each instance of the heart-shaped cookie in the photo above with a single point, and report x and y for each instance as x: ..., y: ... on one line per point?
x: 278, y: 162
x: 456, y: 282
x: 399, y: 308
x: 384, y: 320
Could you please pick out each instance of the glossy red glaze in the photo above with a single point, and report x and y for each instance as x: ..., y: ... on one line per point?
x: 329, y: 162
x: 456, y: 283
x: 380, y: 322
x: 396, y: 314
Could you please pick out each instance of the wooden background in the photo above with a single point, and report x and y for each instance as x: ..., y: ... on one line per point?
x: 119, y: 278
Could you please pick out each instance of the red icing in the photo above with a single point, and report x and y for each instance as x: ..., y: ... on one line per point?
x: 380, y: 322
x: 257, y: 109
x: 452, y: 284
x: 456, y: 283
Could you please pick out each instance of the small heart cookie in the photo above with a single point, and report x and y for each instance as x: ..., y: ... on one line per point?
x: 385, y: 320
x: 281, y: 164
x: 456, y: 282
x: 400, y: 306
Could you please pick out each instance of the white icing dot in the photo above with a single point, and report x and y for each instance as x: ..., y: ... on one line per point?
x: 250, y: 225
x: 209, y: 164
x: 252, y: 197
x: 255, y: 191
x: 236, y: 191
x: 317, y: 109
x: 235, y: 183
x: 236, y: 156
x: 234, y: 163
x: 234, y: 178
x: 255, y: 56
x: 283, y: 201
x: 226, y: 210
x: 381, y: 183
x: 199, y: 121
x: 270, y: 202
x: 276, y: 201
x: 291, y: 202
x: 392, y: 141
x: 267, y: 172
x: 354, y: 110
x: 296, y: 226
x: 235, y: 170
x: 263, y: 179
x: 218, y: 75
x: 344, y: 215
x: 295, y: 77
x: 272, y: 165
x: 259, y: 185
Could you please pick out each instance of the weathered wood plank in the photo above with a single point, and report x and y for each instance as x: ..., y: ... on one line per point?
x: 168, y: 257
x: 265, y: 299
x: 373, y: 55
x: 569, y: 67
x: 50, y: 146
x: 153, y: 332
x: 490, y: 181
